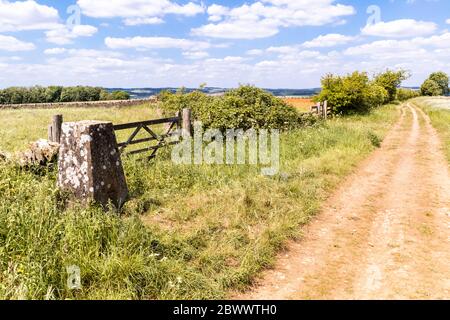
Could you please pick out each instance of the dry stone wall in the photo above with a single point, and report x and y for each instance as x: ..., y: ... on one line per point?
x: 87, y: 104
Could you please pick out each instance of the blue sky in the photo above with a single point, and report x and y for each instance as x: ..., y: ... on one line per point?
x: 269, y: 43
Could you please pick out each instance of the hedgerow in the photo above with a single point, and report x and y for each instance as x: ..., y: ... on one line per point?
x: 245, y: 107
x: 357, y: 93
x: 406, y: 94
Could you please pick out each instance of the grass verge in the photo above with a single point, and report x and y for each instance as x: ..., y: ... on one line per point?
x: 438, y: 109
x: 189, y: 232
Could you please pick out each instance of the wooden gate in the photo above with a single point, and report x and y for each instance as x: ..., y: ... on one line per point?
x: 156, y: 141
x: 322, y: 109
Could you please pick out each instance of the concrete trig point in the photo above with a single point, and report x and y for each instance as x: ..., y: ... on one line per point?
x: 89, y: 165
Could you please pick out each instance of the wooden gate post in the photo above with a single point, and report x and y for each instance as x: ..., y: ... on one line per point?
x: 319, y: 109
x: 54, y: 130
x: 187, y: 122
x: 178, y: 124
x: 325, y: 110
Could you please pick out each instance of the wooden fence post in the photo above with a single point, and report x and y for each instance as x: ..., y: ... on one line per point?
x: 319, y: 109
x: 54, y: 130
x: 50, y: 133
x: 325, y: 110
x: 179, y: 122
x: 187, y: 122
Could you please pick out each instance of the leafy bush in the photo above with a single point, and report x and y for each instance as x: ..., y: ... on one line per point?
x: 53, y: 94
x: 245, y: 107
x: 356, y: 92
x: 435, y: 85
x: 441, y: 78
x: 351, y: 93
x: 37, y: 94
x: 375, y: 95
x: 391, y: 81
x: 431, y: 88
x: 115, y: 95
x: 174, y: 102
x: 80, y: 94
x: 120, y: 95
x: 406, y: 94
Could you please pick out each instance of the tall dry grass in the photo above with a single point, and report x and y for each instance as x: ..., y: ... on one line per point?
x: 188, y: 232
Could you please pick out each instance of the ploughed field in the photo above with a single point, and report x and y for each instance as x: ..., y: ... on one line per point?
x: 301, y: 104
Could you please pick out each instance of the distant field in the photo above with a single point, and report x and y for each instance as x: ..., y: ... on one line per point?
x: 23, y: 126
x: 301, y: 104
x: 435, y: 102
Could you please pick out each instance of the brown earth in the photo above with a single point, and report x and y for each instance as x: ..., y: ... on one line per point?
x: 301, y: 104
x: 383, y: 235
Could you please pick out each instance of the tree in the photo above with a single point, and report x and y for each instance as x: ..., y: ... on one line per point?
x: 431, y: 88
x: 14, y: 95
x: 406, y: 94
x: 375, y: 95
x: 68, y: 94
x: 105, y: 96
x: 4, y: 99
x: 391, y: 81
x: 53, y: 94
x: 38, y: 94
x: 120, y: 95
x: 441, y: 78
x: 351, y: 93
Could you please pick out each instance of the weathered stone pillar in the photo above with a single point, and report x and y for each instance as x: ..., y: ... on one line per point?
x: 89, y: 164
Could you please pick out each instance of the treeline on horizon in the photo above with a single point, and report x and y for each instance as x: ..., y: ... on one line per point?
x: 55, y: 94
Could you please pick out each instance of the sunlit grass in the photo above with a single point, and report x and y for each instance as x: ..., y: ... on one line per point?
x: 20, y: 127
x: 188, y: 232
x: 438, y: 109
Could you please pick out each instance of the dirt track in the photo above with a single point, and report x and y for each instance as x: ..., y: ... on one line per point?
x: 385, y: 232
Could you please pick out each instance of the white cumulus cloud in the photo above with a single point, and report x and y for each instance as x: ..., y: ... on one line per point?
x: 136, y: 12
x: 255, y: 52
x: 26, y: 15
x: 55, y: 51
x: 64, y: 35
x: 329, y: 40
x: 155, y: 43
x: 403, y: 28
x: 8, y: 43
x: 140, y: 21
x: 265, y: 18
x: 195, y: 55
